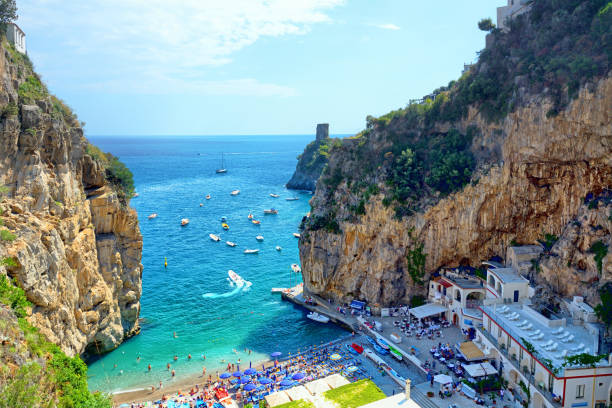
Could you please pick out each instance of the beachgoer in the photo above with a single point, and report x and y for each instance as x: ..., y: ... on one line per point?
x: 174, y: 335
x: 149, y: 367
x: 173, y: 373
x: 168, y: 366
x: 115, y: 366
x: 138, y: 358
x: 175, y: 357
x: 160, y: 385
x: 189, y: 357
x: 431, y: 382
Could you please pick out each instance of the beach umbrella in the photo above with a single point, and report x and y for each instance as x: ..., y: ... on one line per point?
x: 298, y: 376
x: 237, y: 374
x: 276, y: 354
x: 245, y: 379
x: 351, y: 369
x: 250, y: 387
x: 225, y: 375
x: 286, y: 382
x: 265, y: 381
x: 250, y: 371
x: 335, y: 357
x: 234, y: 380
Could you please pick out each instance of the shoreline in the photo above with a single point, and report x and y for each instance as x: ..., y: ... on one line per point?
x: 189, y: 381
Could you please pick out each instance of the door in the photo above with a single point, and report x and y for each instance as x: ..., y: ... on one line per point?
x: 516, y: 295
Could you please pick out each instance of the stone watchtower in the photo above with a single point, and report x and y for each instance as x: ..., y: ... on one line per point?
x: 322, y: 131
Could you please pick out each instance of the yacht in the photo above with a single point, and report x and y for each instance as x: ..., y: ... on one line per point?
x: 230, y: 243
x: 317, y: 317
x: 214, y: 237
x: 222, y: 169
x: 235, y: 192
x: 251, y: 251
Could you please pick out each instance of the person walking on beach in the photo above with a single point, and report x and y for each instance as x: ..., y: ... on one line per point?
x: 160, y: 385
x: 203, y: 371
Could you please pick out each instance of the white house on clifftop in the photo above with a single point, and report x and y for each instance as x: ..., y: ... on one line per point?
x: 16, y: 36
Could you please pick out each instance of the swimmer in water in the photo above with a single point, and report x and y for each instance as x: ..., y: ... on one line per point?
x: 174, y: 335
x: 168, y: 366
x: 138, y: 359
x: 149, y: 367
x: 189, y: 357
x: 173, y: 373
x: 175, y: 357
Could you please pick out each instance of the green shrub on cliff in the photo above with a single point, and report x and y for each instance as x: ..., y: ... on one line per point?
x: 31, y: 90
x: 116, y: 172
x: 600, y: 250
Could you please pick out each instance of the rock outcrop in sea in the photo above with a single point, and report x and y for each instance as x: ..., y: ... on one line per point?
x: 312, y: 161
x: 67, y: 238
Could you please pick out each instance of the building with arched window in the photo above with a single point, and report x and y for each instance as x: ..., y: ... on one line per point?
x: 16, y: 36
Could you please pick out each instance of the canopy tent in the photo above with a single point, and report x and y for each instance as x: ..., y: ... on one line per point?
x: 470, y: 351
x: 357, y: 304
x: 443, y: 379
x: 480, y: 369
x: 430, y: 309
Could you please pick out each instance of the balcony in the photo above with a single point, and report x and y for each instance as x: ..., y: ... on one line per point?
x: 544, y: 391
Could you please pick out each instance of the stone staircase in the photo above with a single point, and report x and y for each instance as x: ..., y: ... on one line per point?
x: 421, y: 399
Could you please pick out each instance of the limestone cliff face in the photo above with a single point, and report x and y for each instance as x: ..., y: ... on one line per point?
x: 77, y: 248
x: 309, y: 167
x: 533, y: 175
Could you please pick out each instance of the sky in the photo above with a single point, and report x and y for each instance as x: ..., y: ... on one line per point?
x: 213, y: 67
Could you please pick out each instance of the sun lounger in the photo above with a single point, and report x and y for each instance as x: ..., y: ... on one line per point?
x: 539, y: 336
x: 528, y: 327
x: 521, y: 324
x: 569, y: 339
x: 563, y: 335
x: 562, y: 354
x: 535, y: 333
x: 558, y: 331
x: 548, y: 343
x: 579, y: 347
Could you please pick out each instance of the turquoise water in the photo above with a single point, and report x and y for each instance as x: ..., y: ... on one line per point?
x: 193, y: 296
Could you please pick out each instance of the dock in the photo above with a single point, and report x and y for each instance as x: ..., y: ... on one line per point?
x: 278, y: 290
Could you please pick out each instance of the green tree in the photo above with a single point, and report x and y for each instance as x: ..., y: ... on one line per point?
x: 416, y: 263
x: 600, y: 250
x: 604, y: 309
x: 486, y: 24
x: 8, y: 11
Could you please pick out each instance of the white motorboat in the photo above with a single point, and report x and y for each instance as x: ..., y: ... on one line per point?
x: 274, y: 195
x: 259, y: 238
x: 292, y: 198
x: 317, y: 317
x: 214, y: 237
x: 208, y: 196
x: 235, y: 192
x: 295, y: 234
x: 154, y: 215
x: 230, y: 243
x: 184, y: 222
x: 237, y: 279
x: 381, y: 342
x: 278, y: 248
x: 296, y: 268
x: 251, y: 251
x: 270, y: 211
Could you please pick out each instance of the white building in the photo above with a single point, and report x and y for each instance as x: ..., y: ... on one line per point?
x: 508, y: 12
x: 462, y: 297
x: 519, y: 257
x: 507, y: 285
x: 16, y: 36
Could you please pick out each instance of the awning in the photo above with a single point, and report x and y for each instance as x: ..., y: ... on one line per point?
x: 443, y: 379
x: 356, y: 304
x: 470, y: 351
x: 430, y: 309
x: 445, y: 283
x: 480, y: 369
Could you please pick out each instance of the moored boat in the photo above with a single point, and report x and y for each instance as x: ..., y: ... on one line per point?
x: 184, y: 222
x: 251, y: 251
x: 296, y: 268
x: 274, y: 195
x: 235, y: 192
x: 278, y: 248
x: 381, y: 342
x: 208, y: 196
x: 256, y: 222
x: 154, y: 215
x: 214, y: 237
x: 230, y: 243
x: 221, y: 169
x: 270, y: 211
x: 395, y: 338
x: 225, y: 226
x: 292, y: 198
x: 259, y: 238
x: 295, y: 234
x: 317, y: 317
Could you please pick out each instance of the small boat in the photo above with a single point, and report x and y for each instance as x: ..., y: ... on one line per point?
x: 223, y: 219
x: 225, y: 226
x: 256, y: 222
x: 317, y: 317
x: 184, y: 222
x: 135, y: 195
x: 352, y: 350
x: 270, y: 211
x: 154, y: 215
x: 221, y: 169
x: 250, y: 216
x: 279, y: 248
x: 235, y: 192
x: 251, y: 251
x: 292, y: 198
x: 296, y: 268
x: 295, y: 234
x: 201, y: 205
x: 259, y: 238
x: 357, y: 348
x: 208, y: 196
x: 237, y: 279
x: 214, y: 237
x: 274, y: 195
x: 230, y: 243
x: 381, y: 342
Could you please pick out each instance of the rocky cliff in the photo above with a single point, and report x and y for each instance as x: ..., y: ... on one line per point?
x: 519, y: 177
x: 67, y: 239
x: 312, y: 161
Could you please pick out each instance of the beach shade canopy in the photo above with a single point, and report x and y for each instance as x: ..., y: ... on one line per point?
x: 265, y: 381
x: 234, y: 381
x: 351, y: 369
x: 298, y: 376
x: 237, y: 374
x: 276, y: 354
x: 250, y: 371
x: 225, y: 375
x: 335, y: 357
x: 286, y: 382
x: 245, y: 379
x: 250, y: 387
x: 443, y: 379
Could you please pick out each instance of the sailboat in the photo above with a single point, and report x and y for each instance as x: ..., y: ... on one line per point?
x: 222, y: 169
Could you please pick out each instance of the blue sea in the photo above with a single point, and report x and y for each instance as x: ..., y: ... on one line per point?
x: 192, y: 296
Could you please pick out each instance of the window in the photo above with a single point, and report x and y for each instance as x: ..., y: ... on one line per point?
x: 458, y: 295
x: 580, y: 391
x: 520, y: 354
x: 489, y: 325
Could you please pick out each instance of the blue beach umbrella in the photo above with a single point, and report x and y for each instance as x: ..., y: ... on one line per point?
x: 250, y: 371
x: 234, y: 381
x: 286, y: 382
x: 276, y: 354
x: 250, y: 387
x: 245, y: 379
x: 237, y: 374
x: 225, y: 375
x: 298, y: 376
x: 265, y: 381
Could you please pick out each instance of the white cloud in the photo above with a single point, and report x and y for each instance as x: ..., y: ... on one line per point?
x: 143, y: 40
x: 387, y: 26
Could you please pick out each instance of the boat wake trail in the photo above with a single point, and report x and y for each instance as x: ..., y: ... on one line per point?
x: 233, y: 292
